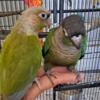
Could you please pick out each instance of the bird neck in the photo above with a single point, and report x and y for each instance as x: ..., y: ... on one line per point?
x: 60, y: 42
x: 66, y: 41
x: 26, y: 26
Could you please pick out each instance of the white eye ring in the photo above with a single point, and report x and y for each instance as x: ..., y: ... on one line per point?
x: 44, y: 16
x: 65, y: 32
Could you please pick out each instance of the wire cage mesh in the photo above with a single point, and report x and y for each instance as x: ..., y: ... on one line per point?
x: 89, y: 88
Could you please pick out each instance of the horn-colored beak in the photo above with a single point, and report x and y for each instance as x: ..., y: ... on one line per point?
x: 48, y: 23
x: 76, y: 41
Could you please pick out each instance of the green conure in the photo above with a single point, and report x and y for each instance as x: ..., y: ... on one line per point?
x: 66, y: 44
x: 21, y: 54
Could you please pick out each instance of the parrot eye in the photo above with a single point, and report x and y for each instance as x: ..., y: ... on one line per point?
x: 44, y: 15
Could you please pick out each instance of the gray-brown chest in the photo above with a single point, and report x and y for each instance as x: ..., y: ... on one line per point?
x: 62, y: 54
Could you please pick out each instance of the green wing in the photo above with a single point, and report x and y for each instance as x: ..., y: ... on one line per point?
x: 46, y: 46
x: 84, y: 46
x: 21, y: 58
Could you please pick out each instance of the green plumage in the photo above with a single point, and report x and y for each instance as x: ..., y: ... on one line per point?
x: 83, y: 47
x: 20, y: 59
x: 59, y: 50
x: 21, y: 56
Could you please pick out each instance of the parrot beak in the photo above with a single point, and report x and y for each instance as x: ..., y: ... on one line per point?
x: 76, y: 40
x: 48, y: 23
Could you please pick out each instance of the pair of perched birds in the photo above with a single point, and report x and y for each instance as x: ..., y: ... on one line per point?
x: 21, y: 54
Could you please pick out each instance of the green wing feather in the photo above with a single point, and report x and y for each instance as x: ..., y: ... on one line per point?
x: 84, y: 46
x: 46, y: 46
x: 21, y: 58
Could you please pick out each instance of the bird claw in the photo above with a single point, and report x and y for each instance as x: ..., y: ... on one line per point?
x: 48, y: 74
x: 79, y: 76
x: 36, y: 80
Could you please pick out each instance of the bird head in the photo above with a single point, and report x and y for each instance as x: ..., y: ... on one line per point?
x: 74, y: 30
x: 34, y: 19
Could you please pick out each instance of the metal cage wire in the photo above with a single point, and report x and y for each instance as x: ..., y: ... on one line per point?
x: 90, y: 64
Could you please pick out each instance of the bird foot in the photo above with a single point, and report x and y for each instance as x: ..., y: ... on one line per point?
x: 49, y: 74
x: 79, y: 76
x: 36, y: 80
